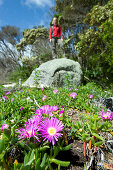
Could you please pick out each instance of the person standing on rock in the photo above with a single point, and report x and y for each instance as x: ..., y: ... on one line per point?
x: 55, y: 36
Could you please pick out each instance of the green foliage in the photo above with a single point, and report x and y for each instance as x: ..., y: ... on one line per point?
x: 68, y: 82
x: 11, y: 34
x: 37, y: 39
x: 70, y: 12
x: 37, y: 76
x: 96, y: 44
x: 90, y: 128
x: 42, y: 155
x: 31, y: 36
x: 1, y: 90
x: 71, y: 18
x: 21, y: 72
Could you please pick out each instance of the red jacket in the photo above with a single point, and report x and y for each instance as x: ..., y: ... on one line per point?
x: 55, y: 32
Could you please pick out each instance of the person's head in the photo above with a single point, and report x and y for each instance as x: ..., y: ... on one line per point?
x: 55, y: 21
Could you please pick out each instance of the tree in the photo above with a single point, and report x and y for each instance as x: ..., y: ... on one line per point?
x: 72, y: 14
x: 37, y: 39
x: 96, y: 44
x: 74, y: 11
x: 9, y: 36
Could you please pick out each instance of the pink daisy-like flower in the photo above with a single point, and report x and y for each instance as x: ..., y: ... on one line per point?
x: 44, y: 97
x: 4, y: 126
x: 107, y: 115
x: 35, y: 121
x: 30, y: 128
x: 42, y: 89
x: 50, y: 129
x: 46, y: 109
x: 55, y: 91
x: 73, y: 95
x: 54, y: 108
x: 90, y: 96
x: 51, y: 115
x: 38, y: 111
x: 27, y: 133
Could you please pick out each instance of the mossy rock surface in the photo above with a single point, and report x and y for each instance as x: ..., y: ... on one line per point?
x: 54, y: 73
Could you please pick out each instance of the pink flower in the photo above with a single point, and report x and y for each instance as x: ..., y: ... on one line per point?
x: 50, y: 129
x: 60, y: 115
x: 107, y: 115
x: 4, y: 98
x: 73, y: 95
x: 51, y: 115
x: 42, y: 89
x: 30, y: 128
x: 8, y: 92
x: 46, y: 109
x: 27, y: 133
x: 21, y: 108
x: 54, y: 108
x: 55, y: 91
x: 4, y: 126
x: 90, y: 96
x: 0, y: 100
x: 44, y: 97
x: 62, y: 111
x: 35, y: 120
x: 12, y: 99
x: 38, y: 111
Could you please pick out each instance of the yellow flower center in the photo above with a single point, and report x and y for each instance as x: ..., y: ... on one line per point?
x: 29, y: 132
x: 51, y: 131
x: 105, y: 116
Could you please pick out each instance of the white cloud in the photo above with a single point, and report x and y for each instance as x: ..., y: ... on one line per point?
x: 40, y: 3
x: 1, y: 2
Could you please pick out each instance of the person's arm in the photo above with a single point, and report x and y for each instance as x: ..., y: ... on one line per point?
x: 50, y: 33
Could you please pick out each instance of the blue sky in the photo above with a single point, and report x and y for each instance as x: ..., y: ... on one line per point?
x: 25, y: 13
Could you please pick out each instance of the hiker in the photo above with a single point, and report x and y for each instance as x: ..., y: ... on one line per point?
x: 55, y: 36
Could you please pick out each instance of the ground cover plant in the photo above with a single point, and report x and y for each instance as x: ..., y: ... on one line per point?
x: 35, y: 125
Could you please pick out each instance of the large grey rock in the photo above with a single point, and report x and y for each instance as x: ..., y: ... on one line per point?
x: 54, y: 73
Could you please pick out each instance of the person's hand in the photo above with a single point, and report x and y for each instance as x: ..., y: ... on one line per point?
x: 62, y: 39
x: 50, y: 40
